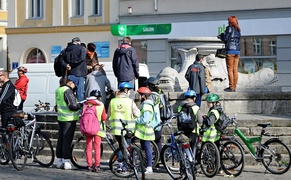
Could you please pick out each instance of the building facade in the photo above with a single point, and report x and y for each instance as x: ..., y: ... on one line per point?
x: 3, y: 37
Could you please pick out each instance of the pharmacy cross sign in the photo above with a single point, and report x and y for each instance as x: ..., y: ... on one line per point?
x: 142, y: 29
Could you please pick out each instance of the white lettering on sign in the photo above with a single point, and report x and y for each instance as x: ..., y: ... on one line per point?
x: 148, y: 29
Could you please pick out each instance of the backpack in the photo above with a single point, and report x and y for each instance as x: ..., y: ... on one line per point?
x: 58, y: 68
x: 223, y: 121
x: 186, y: 118
x: 17, y: 98
x: 166, y: 110
x: 89, y: 123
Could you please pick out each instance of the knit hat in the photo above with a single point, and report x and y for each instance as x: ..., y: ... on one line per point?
x: 76, y: 39
x: 91, y: 47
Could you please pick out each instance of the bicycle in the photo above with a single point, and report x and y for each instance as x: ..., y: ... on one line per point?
x: 4, y: 158
x: 41, y: 106
x: 127, y: 158
x: 78, y: 158
x: 29, y: 141
x: 273, y: 153
x: 177, y: 156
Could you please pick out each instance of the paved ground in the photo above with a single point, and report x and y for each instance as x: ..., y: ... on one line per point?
x: 35, y: 172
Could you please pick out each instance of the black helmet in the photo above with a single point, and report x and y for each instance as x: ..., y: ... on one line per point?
x: 95, y: 93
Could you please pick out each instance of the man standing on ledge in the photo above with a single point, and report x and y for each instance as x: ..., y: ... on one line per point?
x: 125, y: 63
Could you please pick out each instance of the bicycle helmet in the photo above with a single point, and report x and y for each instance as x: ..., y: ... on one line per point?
x: 125, y: 85
x: 190, y: 94
x: 22, y: 68
x: 152, y: 80
x: 212, y: 98
x: 144, y: 90
x: 95, y: 93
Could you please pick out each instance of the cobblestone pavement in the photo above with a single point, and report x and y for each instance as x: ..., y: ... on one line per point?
x: 35, y: 172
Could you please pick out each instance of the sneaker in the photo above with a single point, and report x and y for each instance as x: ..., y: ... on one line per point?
x: 119, y: 167
x: 229, y: 90
x: 97, y: 169
x: 149, y: 170
x: 91, y: 168
x: 60, y: 165
x: 67, y: 166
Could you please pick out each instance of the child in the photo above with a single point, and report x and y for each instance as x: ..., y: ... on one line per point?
x: 95, y: 100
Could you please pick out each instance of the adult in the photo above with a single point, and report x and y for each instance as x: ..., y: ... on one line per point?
x: 92, y: 58
x: 144, y: 131
x: 7, y: 94
x: 233, y: 34
x: 75, y: 62
x: 195, y: 76
x: 96, y: 80
x: 125, y: 63
x: 21, y: 84
x: 208, y: 77
x: 124, y: 108
x: 68, y: 115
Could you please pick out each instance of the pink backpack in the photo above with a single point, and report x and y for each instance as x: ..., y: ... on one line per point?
x: 89, y: 123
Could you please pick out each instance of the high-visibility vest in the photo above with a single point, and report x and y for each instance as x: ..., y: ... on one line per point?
x: 102, y: 131
x: 121, y: 108
x: 64, y: 113
x: 145, y: 131
x: 211, y: 134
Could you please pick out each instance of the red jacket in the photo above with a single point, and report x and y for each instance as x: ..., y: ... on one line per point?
x: 21, y: 85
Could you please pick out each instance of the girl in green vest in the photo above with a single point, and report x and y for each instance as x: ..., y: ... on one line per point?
x: 144, y: 130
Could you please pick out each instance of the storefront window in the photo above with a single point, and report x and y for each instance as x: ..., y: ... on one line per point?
x: 35, y: 56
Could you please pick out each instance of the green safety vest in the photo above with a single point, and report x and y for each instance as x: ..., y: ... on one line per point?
x: 102, y: 131
x: 121, y: 108
x: 145, y: 131
x: 195, y: 109
x: 211, y: 134
x: 64, y: 113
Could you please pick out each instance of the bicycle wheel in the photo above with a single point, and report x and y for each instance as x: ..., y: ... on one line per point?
x: 43, y: 150
x: 276, y: 156
x: 4, y: 157
x: 118, y: 165
x: 232, y: 158
x: 171, y: 161
x: 154, y: 148
x: 187, y: 168
x: 18, y: 149
x: 78, y: 157
x: 138, y: 164
x: 209, y: 159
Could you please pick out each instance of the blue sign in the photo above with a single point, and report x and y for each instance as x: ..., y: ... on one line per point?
x: 55, y: 51
x: 14, y: 65
x: 102, y: 49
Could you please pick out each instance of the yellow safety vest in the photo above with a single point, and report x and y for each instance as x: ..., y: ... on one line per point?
x: 121, y: 108
x: 64, y: 113
x: 102, y: 131
x: 211, y: 134
x: 145, y: 131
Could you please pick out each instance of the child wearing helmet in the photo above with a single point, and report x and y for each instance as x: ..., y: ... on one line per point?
x: 144, y: 131
x: 21, y: 84
x: 211, y: 133
x: 95, y: 100
x: 189, y: 101
x: 124, y: 108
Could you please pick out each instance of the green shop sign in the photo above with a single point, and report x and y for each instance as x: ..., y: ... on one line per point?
x: 144, y: 29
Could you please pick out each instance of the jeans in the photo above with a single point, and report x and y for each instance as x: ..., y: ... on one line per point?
x: 158, y: 136
x: 146, y: 145
x: 66, y: 133
x: 96, y: 141
x: 232, y: 69
x: 198, y: 99
x: 80, y: 89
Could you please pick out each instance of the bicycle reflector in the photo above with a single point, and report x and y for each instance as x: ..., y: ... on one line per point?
x: 10, y: 127
x: 185, y: 145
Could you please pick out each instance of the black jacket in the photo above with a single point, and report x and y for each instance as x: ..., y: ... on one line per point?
x: 195, y: 75
x: 75, y: 55
x: 125, y: 64
x: 7, y: 95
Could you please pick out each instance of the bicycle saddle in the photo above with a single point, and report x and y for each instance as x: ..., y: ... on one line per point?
x: 264, y: 125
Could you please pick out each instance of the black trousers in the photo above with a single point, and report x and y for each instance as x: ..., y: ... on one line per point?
x: 66, y: 134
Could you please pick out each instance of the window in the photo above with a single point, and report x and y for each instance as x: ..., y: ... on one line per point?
x: 35, y: 56
x: 3, y: 5
x: 97, y: 7
x: 36, y: 8
x: 273, y: 47
x: 78, y: 8
x: 257, y: 46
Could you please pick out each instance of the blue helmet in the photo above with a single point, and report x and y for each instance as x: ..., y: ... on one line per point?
x: 189, y: 94
x: 125, y: 85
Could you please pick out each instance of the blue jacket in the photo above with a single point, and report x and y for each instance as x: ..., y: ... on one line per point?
x: 125, y: 64
x: 233, y: 47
